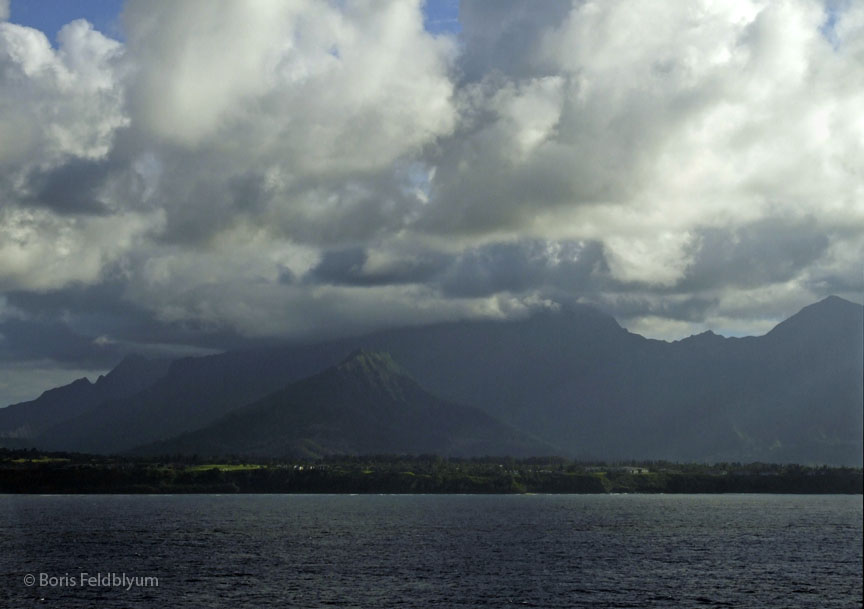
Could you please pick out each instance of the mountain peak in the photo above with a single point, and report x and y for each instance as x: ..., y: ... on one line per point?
x: 77, y: 384
x: 75, y: 387
x: 373, y: 370
x: 363, y: 405
x: 133, y: 373
x: 834, y: 302
x: 831, y: 317
x: 828, y: 307
x: 707, y: 336
x: 370, y: 363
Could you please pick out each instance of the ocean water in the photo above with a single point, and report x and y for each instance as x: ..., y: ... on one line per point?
x: 258, y: 551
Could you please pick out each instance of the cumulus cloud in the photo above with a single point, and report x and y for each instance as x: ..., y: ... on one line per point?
x: 57, y: 103
x: 299, y: 87
x: 671, y: 120
x: 239, y: 172
x: 40, y: 250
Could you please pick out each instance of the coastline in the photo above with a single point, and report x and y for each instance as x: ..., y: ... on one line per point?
x: 30, y: 472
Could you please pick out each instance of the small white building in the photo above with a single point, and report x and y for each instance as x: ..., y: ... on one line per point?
x: 634, y: 470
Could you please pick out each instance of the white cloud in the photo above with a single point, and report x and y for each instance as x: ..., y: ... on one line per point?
x: 674, y: 119
x: 528, y: 113
x: 659, y: 259
x: 41, y: 251
x: 303, y: 86
x: 225, y: 149
x: 57, y: 104
x: 702, y: 112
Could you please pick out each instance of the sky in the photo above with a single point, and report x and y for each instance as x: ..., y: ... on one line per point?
x: 185, y: 177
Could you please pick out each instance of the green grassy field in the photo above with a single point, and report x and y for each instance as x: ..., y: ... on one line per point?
x: 223, y: 467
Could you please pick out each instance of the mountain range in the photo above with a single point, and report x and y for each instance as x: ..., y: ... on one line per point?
x: 56, y: 406
x: 569, y: 381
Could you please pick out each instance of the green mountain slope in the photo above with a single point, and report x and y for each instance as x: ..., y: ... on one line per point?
x: 365, y: 405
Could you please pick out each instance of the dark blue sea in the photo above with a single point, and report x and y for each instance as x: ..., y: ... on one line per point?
x: 258, y: 551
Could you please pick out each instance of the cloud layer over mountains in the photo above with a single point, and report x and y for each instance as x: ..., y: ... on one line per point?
x: 247, y: 171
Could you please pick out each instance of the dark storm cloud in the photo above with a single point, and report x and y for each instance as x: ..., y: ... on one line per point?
x: 93, y: 310
x: 496, y: 192
x: 202, y: 199
x: 342, y: 266
x: 524, y: 266
x: 822, y: 282
x: 248, y: 192
x: 72, y: 188
x: 344, y: 209
x: 515, y: 267
x: 348, y: 266
x: 768, y: 251
x: 52, y: 340
x: 504, y: 35
x: 98, y: 323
